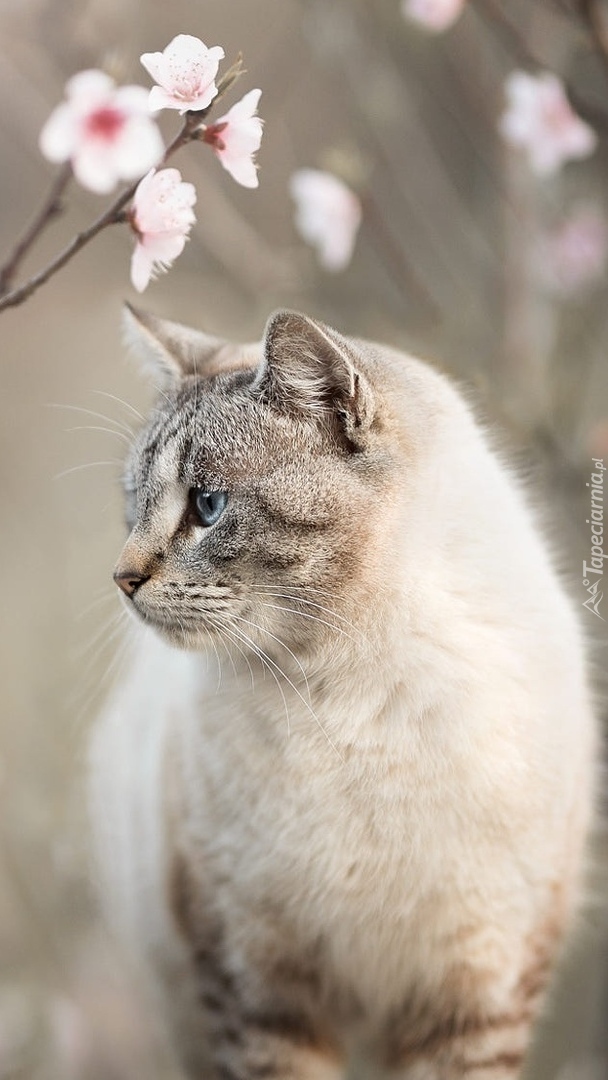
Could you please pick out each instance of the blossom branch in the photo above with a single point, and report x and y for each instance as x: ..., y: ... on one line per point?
x: 50, y: 209
x: 113, y: 215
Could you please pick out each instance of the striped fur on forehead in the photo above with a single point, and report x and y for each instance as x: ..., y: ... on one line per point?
x: 218, y: 433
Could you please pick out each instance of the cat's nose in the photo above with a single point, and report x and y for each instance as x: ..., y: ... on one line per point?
x: 129, y: 581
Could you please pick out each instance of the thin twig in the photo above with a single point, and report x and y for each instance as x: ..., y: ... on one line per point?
x: 115, y: 213
x: 494, y: 16
x: 51, y: 207
x: 598, y: 28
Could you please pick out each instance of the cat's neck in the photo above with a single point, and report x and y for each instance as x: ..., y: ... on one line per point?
x: 340, y: 687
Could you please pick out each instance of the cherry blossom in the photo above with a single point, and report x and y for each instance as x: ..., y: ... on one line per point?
x: 573, y: 257
x: 161, y: 217
x: 105, y: 131
x: 328, y: 216
x: 185, y: 73
x: 435, y: 15
x: 540, y: 120
x: 236, y: 137
x: 597, y: 447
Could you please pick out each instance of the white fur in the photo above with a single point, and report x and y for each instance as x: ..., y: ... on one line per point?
x: 452, y: 783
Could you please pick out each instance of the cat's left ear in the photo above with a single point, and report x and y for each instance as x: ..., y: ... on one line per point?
x: 169, y: 350
x: 309, y: 368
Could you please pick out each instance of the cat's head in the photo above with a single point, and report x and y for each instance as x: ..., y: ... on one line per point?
x: 258, y: 495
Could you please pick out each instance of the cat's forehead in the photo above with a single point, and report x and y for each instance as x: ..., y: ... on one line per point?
x: 213, y: 434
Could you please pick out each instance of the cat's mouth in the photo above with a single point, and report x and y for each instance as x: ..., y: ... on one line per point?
x: 182, y: 629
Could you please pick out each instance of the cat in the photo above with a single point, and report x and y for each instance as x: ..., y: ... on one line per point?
x: 342, y: 796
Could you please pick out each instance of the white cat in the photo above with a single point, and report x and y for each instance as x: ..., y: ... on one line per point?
x: 352, y: 818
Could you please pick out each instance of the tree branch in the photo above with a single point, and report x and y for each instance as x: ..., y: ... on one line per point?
x: 595, y: 19
x: 51, y: 207
x: 113, y: 215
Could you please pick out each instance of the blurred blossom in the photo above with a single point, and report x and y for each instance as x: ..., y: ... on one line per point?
x: 70, y: 1036
x: 236, y: 137
x: 573, y: 256
x: 435, y: 15
x: 185, y: 73
x: 161, y: 217
x: 105, y: 131
x: 597, y: 447
x: 540, y: 120
x: 328, y: 216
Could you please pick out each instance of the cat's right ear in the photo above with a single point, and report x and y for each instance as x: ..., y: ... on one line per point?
x: 168, y: 350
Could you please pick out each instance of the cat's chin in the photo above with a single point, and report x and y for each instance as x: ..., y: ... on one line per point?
x: 179, y: 638
x: 195, y: 638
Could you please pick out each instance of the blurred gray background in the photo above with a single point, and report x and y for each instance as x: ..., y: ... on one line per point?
x: 446, y: 264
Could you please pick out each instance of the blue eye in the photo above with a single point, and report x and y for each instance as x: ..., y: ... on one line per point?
x: 208, y: 505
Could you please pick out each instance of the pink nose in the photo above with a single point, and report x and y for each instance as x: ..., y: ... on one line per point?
x: 129, y: 581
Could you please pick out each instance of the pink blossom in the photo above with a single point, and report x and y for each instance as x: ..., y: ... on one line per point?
x: 236, y: 137
x: 161, y: 217
x: 597, y: 447
x: 328, y: 216
x: 435, y: 15
x: 540, y: 120
x: 185, y: 73
x: 573, y: 257
x: 105, y: 131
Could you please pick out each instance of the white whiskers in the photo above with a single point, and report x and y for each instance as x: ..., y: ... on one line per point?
x: 269, y: 660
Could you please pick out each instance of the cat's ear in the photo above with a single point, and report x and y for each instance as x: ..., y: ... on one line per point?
x: 168, y: 350
x: 308, y: 368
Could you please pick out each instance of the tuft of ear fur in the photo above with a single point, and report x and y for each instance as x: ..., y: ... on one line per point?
x: 310, y: 368
x: 169, y: 350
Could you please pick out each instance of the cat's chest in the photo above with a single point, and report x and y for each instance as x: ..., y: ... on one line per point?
x: 315, y: 848
x: 361, y: 823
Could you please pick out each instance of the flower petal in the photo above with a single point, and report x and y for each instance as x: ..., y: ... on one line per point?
x: 540, y: 120
x: 141, y: 268
x: 59, y: 135
x: 328, y: 216
x: 244, y: 109
x: 202, y: 100
x: 240, y: 139
x: 138, y: 147
x: 94, y: 168
x: 165, y: 248
x: 162, y: 99
x: 133, y: 99
x: 435, y: 15
x: 243, y: 170
x: 185, y: 50
x: 154, y: 63
x: 88, y: 88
